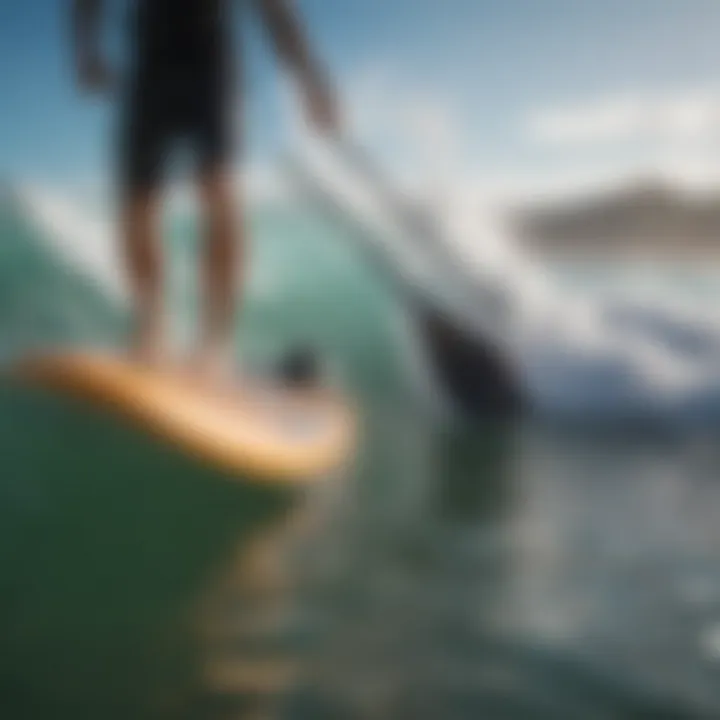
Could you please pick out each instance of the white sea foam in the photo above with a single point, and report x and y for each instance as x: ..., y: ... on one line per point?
x: 77, y: 236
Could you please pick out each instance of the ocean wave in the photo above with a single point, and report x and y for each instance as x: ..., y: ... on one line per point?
x: 608, y: 356
x: 76, y: 236
x: 615, y: 354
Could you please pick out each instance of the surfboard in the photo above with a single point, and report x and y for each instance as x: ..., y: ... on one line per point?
x: 262, y: 430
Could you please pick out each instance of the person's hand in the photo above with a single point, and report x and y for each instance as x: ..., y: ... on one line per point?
x: 94, y: 75
x: 323, y: 111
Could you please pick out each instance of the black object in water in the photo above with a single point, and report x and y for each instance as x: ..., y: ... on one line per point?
x: 300, y: 367
x: 474, y: 373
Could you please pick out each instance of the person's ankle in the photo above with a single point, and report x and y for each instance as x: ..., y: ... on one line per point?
x: 148, y: 346
x: 215, y: 362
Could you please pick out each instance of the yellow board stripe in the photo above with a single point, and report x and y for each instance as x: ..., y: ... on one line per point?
x: 230, y: 434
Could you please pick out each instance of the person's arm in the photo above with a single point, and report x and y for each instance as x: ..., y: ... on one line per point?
x: 292, y: 48
x: 91, y: 69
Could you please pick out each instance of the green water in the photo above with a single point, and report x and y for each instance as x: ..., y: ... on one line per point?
x: 498, y: 571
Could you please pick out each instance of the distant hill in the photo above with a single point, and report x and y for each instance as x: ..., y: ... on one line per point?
x: 643, y: 218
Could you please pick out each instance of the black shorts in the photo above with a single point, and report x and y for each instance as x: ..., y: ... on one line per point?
x: 167, y: 110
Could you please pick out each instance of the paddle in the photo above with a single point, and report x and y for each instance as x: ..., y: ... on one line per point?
x: 481, y: 304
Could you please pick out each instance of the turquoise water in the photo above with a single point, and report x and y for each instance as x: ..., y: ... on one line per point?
x: 499, y: 571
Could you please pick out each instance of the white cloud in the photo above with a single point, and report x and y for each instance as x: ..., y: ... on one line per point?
x: 417, y: 131
x: 691, y: 173
x: 690, y: 116
x: 601, y: 121
x: 430, y: 150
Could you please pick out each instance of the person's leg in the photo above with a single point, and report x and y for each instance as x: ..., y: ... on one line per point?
x: 143, y: 142
x: 141, y: 243
x: 219, y: 273
x: 214, y: 136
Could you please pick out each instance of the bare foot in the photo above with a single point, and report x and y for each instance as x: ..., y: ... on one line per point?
x: 148, y: 349
x: 213, y: 369
x: 147, y: 355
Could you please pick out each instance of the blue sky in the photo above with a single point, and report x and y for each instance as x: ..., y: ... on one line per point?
x: 518, y: 91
